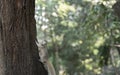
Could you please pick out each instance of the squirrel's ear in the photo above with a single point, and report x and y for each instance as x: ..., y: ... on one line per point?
x: 37, y: 43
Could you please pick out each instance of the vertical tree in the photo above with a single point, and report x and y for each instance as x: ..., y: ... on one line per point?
x: 116, y: 8
x: 18, y: 50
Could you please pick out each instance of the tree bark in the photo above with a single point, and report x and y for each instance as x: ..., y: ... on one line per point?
x: 18, y: 50
x: 2, y: 65
x: 116, y: 8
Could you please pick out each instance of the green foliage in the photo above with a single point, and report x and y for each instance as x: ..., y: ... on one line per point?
x: 80, y: 33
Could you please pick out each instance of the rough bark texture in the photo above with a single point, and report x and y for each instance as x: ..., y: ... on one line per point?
x: 2, y: 65
x: 18, y: 50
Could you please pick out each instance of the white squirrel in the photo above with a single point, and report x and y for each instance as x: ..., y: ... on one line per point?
x: 43, y: 53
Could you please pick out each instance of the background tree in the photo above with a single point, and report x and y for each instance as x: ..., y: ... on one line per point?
x: 18, y: 49
x: 82, y: 35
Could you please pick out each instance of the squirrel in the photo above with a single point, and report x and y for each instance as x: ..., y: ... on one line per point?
x: 43, y: 53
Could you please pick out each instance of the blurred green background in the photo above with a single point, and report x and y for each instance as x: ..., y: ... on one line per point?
x: 83, y: 35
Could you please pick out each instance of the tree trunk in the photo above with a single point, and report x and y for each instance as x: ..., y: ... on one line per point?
x: 116, y: 8
x: 18, y: 50
x: 2, y: 65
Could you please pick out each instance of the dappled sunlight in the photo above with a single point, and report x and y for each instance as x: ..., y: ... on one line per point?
x: 99, y: 41
x: 80, y: 35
